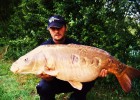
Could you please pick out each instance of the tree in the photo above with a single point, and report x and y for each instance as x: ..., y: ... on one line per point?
x: 112, y: 25
x: 106, y: 24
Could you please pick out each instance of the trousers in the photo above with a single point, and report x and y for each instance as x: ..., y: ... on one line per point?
x: 47, y: 90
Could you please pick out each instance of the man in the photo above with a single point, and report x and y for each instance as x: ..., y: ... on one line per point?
x: 47, y: 88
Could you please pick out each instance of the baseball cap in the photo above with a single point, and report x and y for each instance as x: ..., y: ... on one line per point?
x: 56, y: 21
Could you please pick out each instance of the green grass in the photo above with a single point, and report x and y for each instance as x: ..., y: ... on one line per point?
x: 16, y: 87
x: 22, y: 87
x: 112, y: 91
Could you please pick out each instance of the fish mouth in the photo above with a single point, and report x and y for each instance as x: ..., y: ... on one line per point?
x: 14, y: 69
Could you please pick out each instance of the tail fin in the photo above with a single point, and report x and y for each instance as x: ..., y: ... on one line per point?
x: 125, y: 78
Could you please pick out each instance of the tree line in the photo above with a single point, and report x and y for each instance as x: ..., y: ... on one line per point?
x: 112, y: 25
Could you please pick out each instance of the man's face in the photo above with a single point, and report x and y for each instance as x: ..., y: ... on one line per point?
x: 57, y: 34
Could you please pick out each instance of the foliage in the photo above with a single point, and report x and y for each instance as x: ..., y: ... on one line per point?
x: 103, y: 24
x: 112, y: 25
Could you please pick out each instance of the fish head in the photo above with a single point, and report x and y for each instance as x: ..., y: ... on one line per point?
x: 31, y: 63
x: 23, y: 64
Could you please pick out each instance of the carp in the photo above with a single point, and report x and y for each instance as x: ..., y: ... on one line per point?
x: 74, y: 64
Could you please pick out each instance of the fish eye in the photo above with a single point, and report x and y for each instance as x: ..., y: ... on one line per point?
x: 26, y: 59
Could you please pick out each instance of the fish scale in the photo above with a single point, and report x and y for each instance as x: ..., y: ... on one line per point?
x: 74, y: 64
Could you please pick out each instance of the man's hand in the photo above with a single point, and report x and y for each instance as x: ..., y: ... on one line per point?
x: 103, y: 73
x: 46, y: 77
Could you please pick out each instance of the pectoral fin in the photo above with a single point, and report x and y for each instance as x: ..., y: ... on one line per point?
x: 51, y: 72
x: 76, y: 85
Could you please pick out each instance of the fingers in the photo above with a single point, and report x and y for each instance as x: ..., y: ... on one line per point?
x: 45, y: 76
x: 103, y: 73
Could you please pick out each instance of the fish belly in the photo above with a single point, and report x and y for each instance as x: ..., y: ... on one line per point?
x: 74, y: 63
x: 77, y: 72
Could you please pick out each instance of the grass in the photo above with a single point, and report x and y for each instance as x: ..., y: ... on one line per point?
x: 111, y: 91
x: 16, y: 87
x: 22, y: 87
